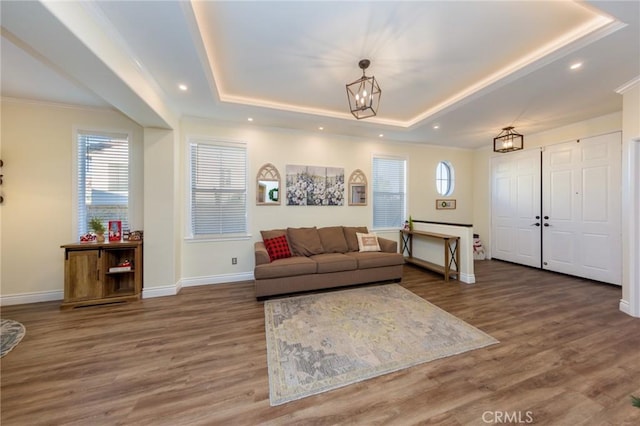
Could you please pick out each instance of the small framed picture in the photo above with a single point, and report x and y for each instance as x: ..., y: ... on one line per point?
x: 445, y: 204
x: 115, y: 230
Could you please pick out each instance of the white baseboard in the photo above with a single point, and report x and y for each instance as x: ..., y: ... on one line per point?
x: 216, y: 279
x: 39, y: 296
x: 172, y: 290
x: 625, y: 307
x: 467, y: 278
x: 166, y: 290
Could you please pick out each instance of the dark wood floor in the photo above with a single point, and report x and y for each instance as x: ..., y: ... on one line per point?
x: 567, y: 356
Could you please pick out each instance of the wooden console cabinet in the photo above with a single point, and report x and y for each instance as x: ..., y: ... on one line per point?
x: 87, y: 276
x: 451, y: 252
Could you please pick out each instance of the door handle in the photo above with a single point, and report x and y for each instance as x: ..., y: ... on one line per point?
x: 546, y: 217
x: 546, y: 224
x: 537, y: 217
x: 535, y: 224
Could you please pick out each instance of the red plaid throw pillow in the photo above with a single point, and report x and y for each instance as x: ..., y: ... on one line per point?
x: 277, y: 247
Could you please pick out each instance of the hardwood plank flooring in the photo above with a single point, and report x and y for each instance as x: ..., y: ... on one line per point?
x: 567, y: 356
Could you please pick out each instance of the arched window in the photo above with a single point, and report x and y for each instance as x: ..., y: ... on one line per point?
x: 444, y: 178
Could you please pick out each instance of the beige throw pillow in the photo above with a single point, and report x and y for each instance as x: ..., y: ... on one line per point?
x: 367, y: 242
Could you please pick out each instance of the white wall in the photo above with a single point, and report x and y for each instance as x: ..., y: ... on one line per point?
x: 630, y: 302
x: 432, y: 250
x: 628, y: 120
x: 37, y: 143
x: 482, y: 164
x: 210, y: 261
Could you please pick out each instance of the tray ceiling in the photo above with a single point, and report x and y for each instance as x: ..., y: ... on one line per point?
x: 468, y: 67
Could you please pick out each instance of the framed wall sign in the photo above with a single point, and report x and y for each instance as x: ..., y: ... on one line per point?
x: 445, y: 204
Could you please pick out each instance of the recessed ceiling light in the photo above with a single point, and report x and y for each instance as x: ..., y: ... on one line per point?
x: 381, y: 135
x: 320, y: 128
x: 249, y: 119
x: 436, y: 126
x: 183, y: 87
x: 576, y: 65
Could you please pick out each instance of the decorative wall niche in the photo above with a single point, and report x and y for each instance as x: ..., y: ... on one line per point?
x: 268, y: 186
x: 357, y: 188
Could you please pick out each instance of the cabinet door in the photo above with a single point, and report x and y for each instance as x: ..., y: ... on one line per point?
x: 82, y: 276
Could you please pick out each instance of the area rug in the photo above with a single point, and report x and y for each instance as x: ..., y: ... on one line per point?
x: 321, y: 342
x: 11, y: 333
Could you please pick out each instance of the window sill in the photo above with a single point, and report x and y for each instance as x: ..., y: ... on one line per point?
x: 217, y: 239
x: 385, y: 229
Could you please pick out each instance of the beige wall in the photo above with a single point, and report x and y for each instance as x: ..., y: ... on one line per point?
x: 203, y: 260
x: 37, y: 143
x: 482, y: 164
x: 162, y: 251
x: 36, y: 146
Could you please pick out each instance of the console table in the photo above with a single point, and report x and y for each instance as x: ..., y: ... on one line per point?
x: 451, y: 252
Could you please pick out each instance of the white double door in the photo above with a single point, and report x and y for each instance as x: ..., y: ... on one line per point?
x: 561, y: 209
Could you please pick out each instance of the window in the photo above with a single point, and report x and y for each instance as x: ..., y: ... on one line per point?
x: 389, y: 189
x: 218, y: 190
x: 444, y: 178
x: 103, y: 178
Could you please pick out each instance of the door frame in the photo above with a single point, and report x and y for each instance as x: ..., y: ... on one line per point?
x: 631, y: 228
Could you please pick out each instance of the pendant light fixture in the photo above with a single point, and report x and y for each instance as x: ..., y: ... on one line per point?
x: 364, y: 94
x: 508, y: 140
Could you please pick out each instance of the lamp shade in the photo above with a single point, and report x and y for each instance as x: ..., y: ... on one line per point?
x: 508, y: 140
x: 364, y: 94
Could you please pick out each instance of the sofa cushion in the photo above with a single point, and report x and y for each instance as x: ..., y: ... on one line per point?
x: 272, y: 233
x: 305, y: 241
x: 334, y: 262
x: 350, y: 236
x: 367, y: 242
x: 289, y: 267
x: 277, y: 247
x: 377, y: 259
x: 333, y: 240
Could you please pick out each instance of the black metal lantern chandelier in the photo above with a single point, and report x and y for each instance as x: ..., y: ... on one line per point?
x: 508, y: 140
x: 364, y: 94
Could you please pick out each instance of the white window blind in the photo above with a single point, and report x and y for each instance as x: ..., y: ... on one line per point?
x: 103, y: 178
x: 389, y: 192
x: 218, y: 188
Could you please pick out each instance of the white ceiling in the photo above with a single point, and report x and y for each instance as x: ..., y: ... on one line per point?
x: 469, y: 67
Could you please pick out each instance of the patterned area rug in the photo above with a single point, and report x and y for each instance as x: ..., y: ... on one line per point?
x: 11, y: 332
x: 321, y: 342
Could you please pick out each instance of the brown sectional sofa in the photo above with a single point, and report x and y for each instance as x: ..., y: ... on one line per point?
x: 323, y: 258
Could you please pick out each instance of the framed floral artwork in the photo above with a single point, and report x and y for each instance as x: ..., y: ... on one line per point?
x: 314, y: 186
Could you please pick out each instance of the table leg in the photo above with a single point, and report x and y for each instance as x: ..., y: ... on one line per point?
x: 446, y: 259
